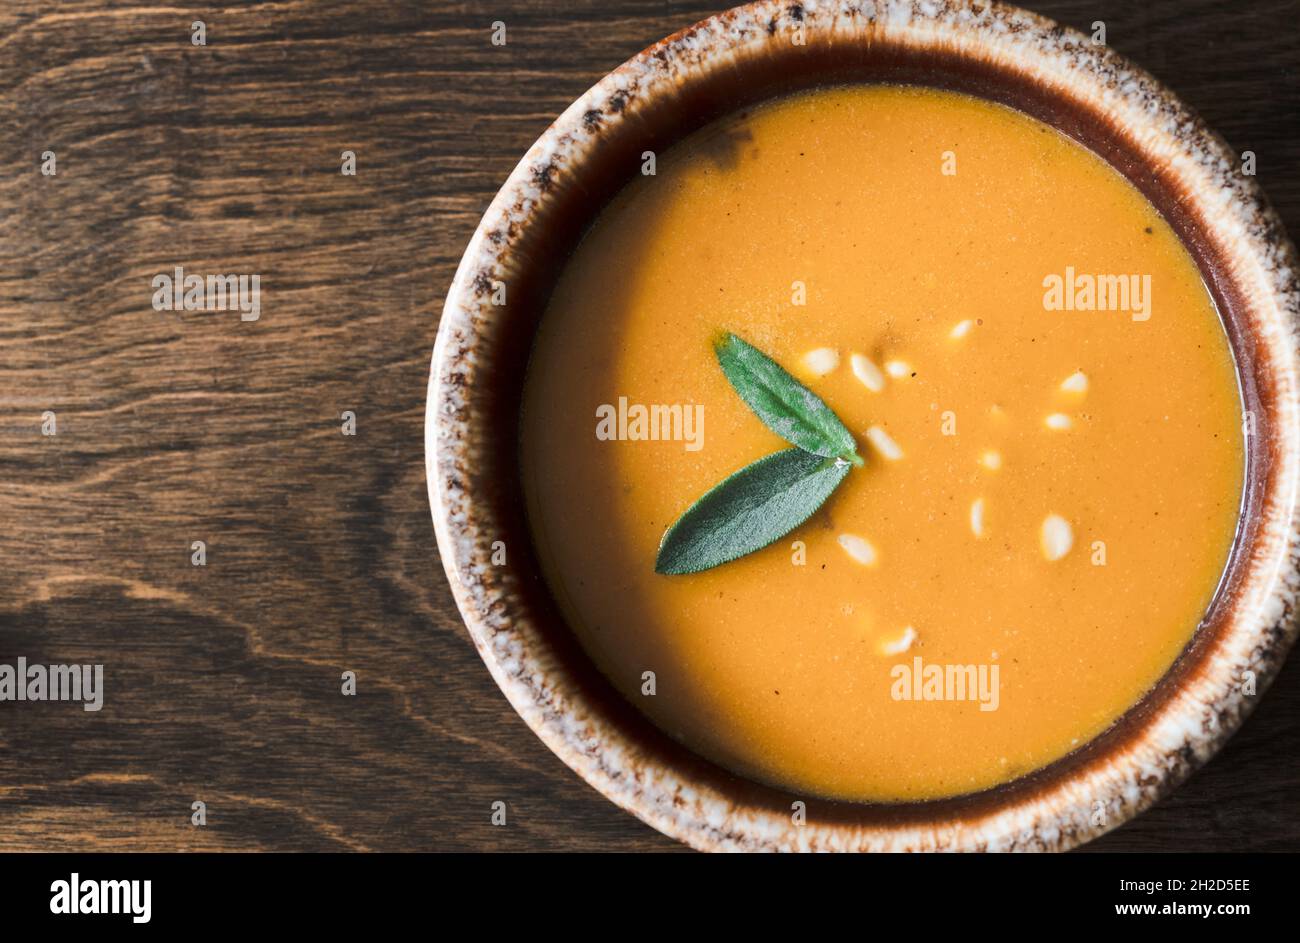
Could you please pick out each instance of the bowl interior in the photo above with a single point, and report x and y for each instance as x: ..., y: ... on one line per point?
x: 575, y: 193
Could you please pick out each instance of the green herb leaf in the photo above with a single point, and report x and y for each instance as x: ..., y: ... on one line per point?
x: 749, y: 510
x: 785, y: 405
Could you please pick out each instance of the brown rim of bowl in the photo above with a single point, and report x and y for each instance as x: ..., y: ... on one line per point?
x: 723, y: 64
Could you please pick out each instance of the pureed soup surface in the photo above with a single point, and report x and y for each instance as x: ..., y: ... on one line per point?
x: 1056, y: 566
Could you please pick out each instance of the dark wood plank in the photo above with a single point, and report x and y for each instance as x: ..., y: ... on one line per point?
x: 224, y: 680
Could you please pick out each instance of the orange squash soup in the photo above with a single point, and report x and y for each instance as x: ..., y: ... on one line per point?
x: 1034, y: 375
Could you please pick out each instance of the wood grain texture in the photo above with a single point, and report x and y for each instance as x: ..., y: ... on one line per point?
x: 223, y: 681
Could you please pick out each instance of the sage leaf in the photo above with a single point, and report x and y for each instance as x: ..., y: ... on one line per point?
x: 752, y: 508
x: 785, y: 405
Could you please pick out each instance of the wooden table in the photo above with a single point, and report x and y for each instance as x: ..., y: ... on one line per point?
x: 174, y: 427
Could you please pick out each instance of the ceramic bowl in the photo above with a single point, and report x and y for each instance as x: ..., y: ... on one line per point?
x: 725, y: 63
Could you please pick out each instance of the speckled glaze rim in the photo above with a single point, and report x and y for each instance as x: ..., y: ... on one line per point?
x: 1255, y: 266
